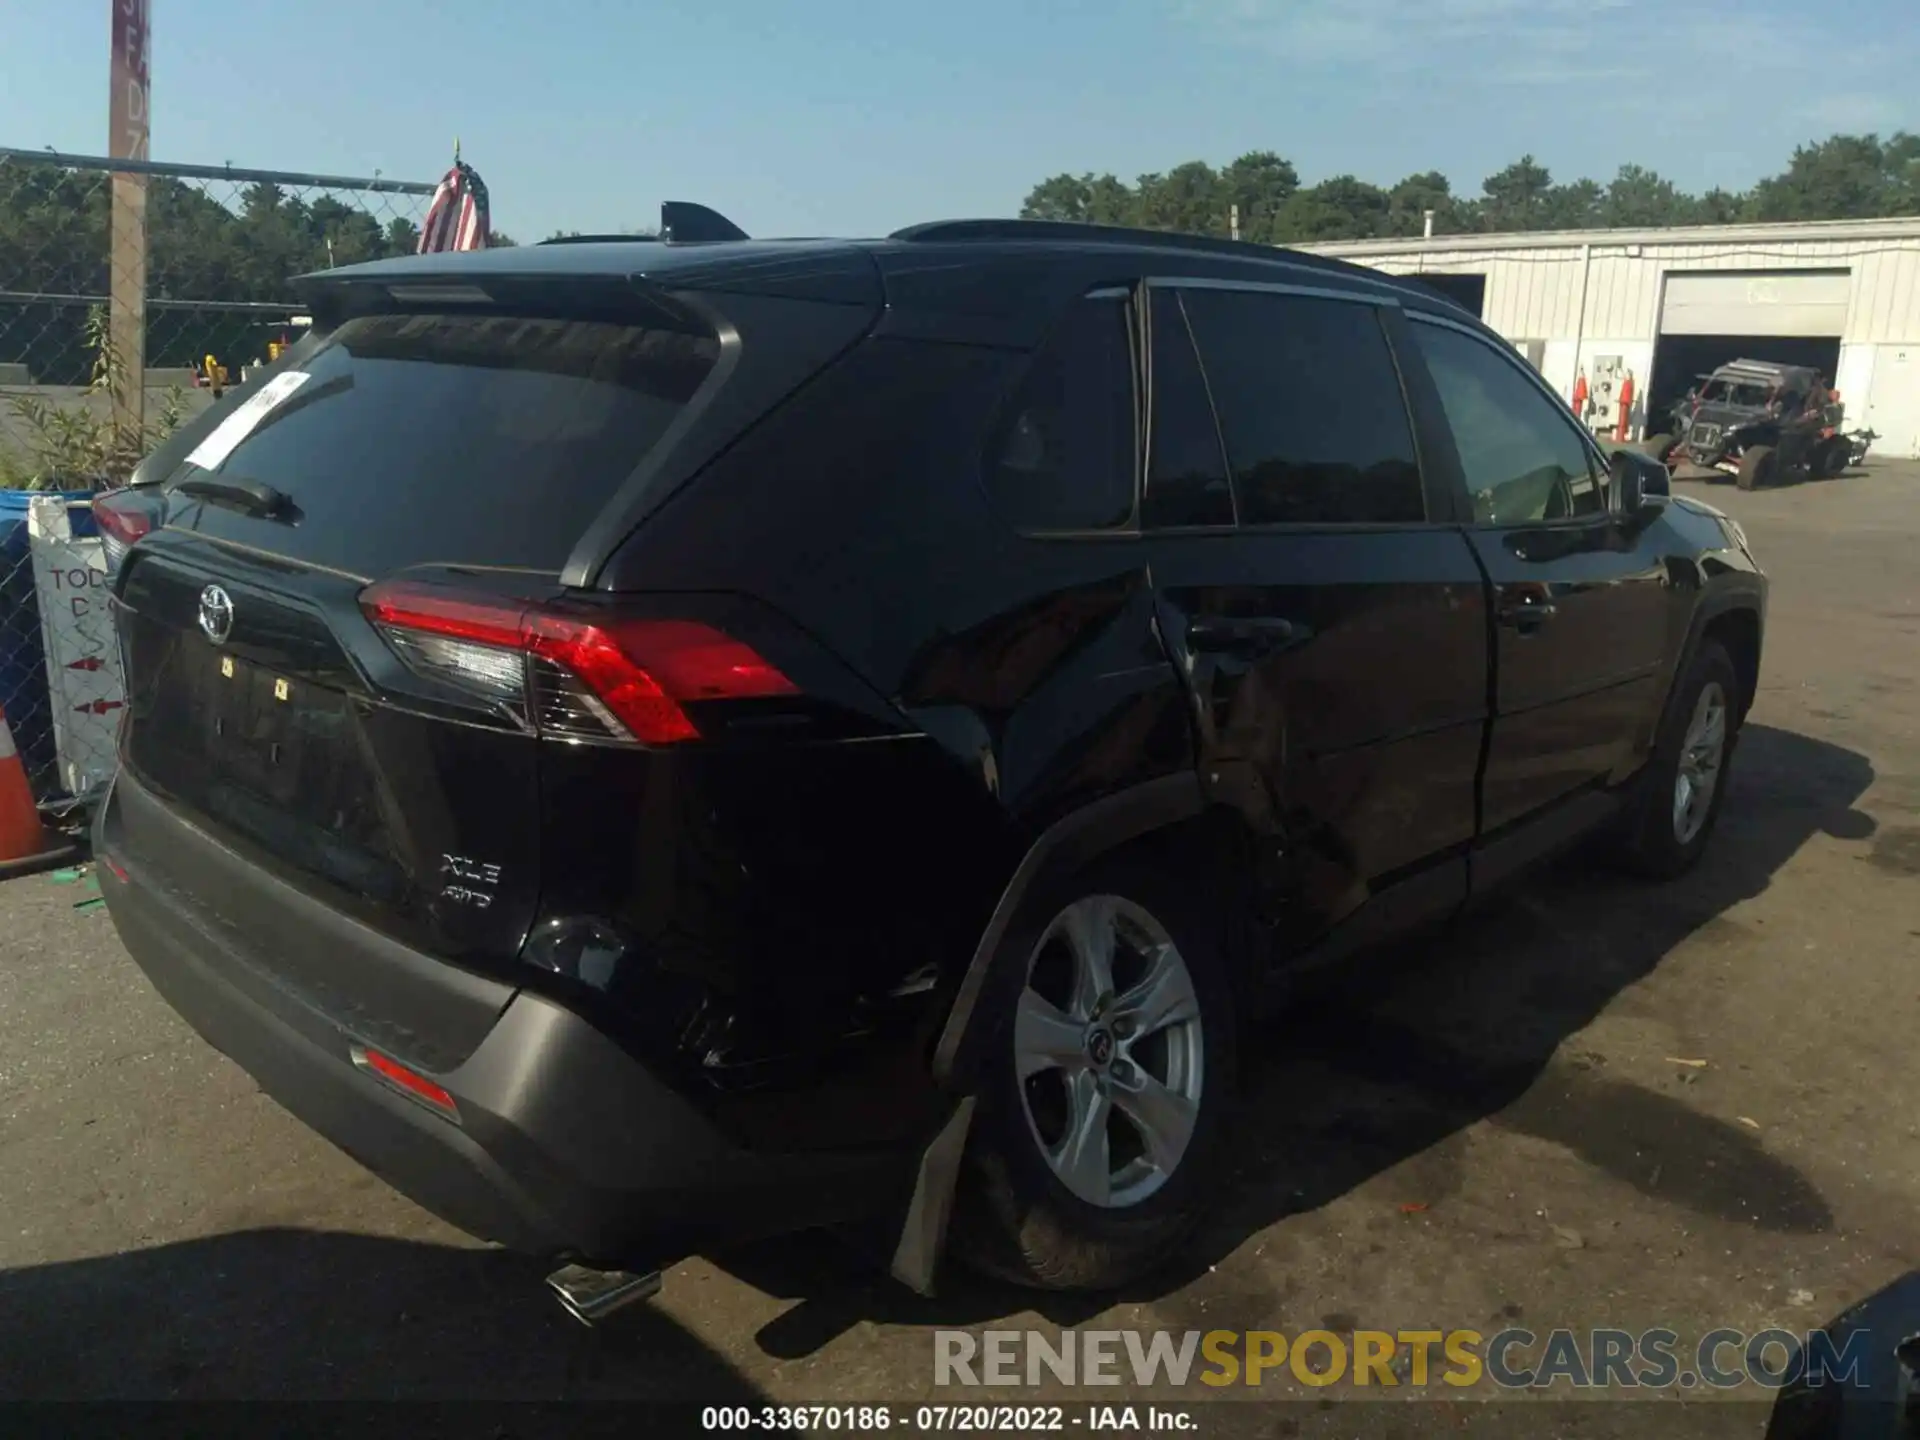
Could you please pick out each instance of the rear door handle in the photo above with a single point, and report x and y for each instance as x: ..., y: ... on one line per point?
x: 1526, y: 616
x: 1254, y: 636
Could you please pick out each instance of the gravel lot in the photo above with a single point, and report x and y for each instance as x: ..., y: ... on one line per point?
x: 1485, y: 1129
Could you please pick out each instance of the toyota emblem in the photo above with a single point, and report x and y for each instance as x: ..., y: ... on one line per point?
x: 216, y: 614
x: 1100, y: 1047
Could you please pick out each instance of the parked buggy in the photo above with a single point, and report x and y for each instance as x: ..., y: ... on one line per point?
x: 1758, y: 422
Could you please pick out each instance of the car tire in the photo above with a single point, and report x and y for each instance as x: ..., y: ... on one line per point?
x: 1665, y: 828
x: 1658, y: 446
x: 1757, y: 468
x: 1025, y: 1212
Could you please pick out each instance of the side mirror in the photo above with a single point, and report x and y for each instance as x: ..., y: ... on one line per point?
x: 1639, y: 484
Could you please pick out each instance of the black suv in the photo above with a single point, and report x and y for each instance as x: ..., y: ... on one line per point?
x: 646, y: 743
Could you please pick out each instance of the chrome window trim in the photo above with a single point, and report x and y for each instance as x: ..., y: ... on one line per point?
x: 1274, y: 287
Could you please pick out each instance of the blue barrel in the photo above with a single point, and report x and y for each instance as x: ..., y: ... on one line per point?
x: 23, y: 662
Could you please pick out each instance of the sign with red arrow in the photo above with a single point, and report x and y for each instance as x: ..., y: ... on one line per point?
x: 85, y: 689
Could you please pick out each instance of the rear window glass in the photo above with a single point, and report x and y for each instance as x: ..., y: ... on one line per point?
x: 1186, y: 468
x: 468, y: 439
x: 1310, y: 407
x: 1063, y: 459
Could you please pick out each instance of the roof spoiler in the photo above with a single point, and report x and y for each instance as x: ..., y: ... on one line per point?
x: 335, y: 296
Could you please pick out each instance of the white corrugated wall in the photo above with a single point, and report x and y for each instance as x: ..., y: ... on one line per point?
x: 1534, y: 293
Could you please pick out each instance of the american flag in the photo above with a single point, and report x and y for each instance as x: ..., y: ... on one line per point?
x: 457, y: 217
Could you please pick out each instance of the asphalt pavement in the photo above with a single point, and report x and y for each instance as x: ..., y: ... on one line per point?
x: 1601, y: 1103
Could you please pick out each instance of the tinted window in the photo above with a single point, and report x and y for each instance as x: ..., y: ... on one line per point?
x: 1523, y: 459
x: 1186, y: 471
x: 1063, y: 460
x: 1310, y: 405
x: 464, y: 438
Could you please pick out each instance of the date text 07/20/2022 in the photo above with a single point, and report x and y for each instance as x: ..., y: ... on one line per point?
x: 946, y: 1419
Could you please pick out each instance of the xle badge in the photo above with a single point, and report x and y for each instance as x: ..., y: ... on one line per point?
x: 469, y: 881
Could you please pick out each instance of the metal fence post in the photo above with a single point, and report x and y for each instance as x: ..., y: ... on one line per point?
x: 127, y: 131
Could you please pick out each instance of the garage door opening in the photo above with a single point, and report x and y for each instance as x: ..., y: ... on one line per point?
x: 1680, y: 360
x: 1467, y: 291
x: 1708, y: 317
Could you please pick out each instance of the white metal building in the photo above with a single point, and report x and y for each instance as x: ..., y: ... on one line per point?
x: 1668, y: 305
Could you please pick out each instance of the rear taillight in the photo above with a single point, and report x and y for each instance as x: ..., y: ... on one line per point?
x: 122, y: 517
x: 565, y: 675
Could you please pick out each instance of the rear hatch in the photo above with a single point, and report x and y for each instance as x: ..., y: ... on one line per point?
x: 349, y: 642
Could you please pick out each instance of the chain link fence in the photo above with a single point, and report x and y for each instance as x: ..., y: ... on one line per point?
x: 131, y: 293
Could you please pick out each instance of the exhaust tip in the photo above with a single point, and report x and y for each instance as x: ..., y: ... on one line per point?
x: 592, y: 1295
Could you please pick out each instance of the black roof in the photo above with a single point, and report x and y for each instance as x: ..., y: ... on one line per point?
x: 997, y: 268
x: 1765, y: 371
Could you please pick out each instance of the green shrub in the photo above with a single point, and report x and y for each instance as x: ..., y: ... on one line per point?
x: 75, y: 446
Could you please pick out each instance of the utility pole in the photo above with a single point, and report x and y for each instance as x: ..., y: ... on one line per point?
x: 127, y: 135
x: 1429, y: 231
x: 1233, y: 220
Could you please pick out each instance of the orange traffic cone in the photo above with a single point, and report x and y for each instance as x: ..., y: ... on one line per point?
x: 25, y: 845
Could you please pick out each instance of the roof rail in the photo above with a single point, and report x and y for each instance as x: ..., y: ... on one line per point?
x: 1075, y: 231
x: 594, y: 239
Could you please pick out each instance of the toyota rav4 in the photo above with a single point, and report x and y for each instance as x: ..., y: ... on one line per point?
x: 645, y: 743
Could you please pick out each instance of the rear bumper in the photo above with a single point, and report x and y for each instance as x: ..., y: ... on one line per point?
x: 565, y: 1143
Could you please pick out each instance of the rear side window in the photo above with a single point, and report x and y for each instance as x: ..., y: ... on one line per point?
x: 1524, y: 462
x: 478, y: 439
x: 1186, y: 469
x: 1063, y: 458
x: 1310, y: 407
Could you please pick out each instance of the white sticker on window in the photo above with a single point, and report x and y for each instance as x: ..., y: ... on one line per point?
x: 212, y: 452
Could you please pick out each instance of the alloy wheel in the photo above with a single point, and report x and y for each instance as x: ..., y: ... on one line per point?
x: 1702, y: 755
x: 1108, y: 1050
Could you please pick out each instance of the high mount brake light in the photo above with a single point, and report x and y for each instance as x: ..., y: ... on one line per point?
x: 569, y: 675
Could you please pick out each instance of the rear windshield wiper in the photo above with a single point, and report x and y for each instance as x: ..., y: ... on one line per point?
x: 256, y: 497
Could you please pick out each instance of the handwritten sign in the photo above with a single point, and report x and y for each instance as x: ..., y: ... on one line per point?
x: 85, y: 688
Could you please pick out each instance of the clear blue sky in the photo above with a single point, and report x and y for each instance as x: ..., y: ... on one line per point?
x: 845, y: 117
